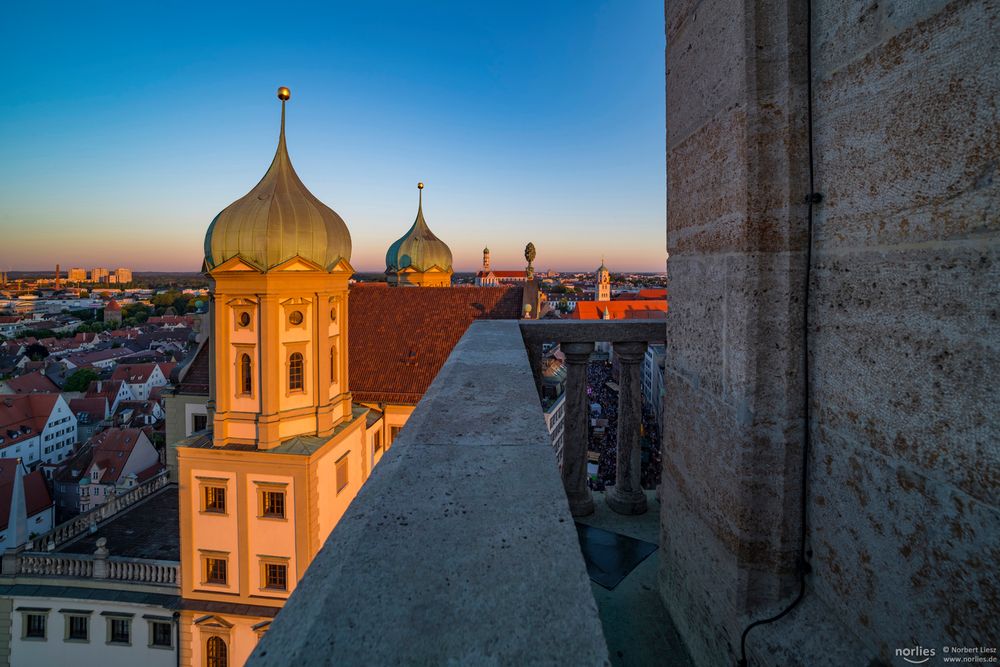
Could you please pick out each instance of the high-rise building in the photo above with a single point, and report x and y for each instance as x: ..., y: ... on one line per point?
x: 77, y: 275
x: 123, y: 275
x: 419, y: 257
x: 98, y: 275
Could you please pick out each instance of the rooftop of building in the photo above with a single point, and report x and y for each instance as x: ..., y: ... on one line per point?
x: 34, y: 382
x: 400, y: 337
x: 148, y: 529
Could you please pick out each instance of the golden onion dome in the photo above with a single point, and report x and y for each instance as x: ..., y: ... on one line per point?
x: 278, y: 220
x: 418, y: 248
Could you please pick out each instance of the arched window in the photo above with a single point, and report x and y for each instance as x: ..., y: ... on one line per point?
x: 333, y: 364
x: 218, y: 654
x: 246, y: 375
x: 296, y: 372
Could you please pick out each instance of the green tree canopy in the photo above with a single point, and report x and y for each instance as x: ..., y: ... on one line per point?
x: 80, y: 380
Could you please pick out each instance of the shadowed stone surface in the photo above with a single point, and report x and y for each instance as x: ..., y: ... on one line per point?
x: 904, y: 342
x: 460, y: 548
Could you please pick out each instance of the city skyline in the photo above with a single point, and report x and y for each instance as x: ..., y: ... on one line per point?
x: 550, y: 132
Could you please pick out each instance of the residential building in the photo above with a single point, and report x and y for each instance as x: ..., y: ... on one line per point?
x: 98, y: 275
x: 123, y: 276
x: 26, y: 509
x: 36, y: 428
x: 90, y: 414
x: 77, y: 275
x: 114, y: 391
x: 142, y: 378
x: 112, y: 462
x: 419, y: 258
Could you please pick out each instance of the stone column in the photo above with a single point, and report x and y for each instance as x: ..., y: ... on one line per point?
x: 626, y: 496
x: 574, y: 468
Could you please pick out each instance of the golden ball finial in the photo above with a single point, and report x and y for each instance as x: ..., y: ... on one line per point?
x: 284, y: 93
x: 420, y: 186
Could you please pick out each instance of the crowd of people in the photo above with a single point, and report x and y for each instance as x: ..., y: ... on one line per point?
x: 602, y: 392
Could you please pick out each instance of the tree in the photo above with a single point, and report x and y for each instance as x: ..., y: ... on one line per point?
x: 80, y: 379
x: 36, y: 351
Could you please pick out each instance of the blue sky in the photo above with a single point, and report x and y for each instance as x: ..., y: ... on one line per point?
x: 127, y: 127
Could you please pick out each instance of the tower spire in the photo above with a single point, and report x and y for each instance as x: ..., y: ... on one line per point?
x: 420, y: 201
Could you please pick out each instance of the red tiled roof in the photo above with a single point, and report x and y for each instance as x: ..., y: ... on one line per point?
x: 112, y: 305
x: 32, y: 383
x: 510, y: 274
x: 104, y: 389
x: 36, y: 493
x: 401, y: 336
x: 653, y: 293
x: 24, y: 416
x: 133, y: 373
x: 90, y: 358
x: 96, y: 407
x: 620, y: 310
x: 109, y: 450
x: 193, y: 378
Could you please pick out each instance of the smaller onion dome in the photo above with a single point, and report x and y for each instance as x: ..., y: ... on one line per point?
x: 418, y: 248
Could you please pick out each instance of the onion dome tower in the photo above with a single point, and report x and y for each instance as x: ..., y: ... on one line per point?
x: 278, y: 262
x: 419, y: 258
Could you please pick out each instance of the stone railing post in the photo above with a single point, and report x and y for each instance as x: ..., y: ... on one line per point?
x: 626, y: 496
x: 8, y: 565
x: 101, y: 559
x: 576, y: 441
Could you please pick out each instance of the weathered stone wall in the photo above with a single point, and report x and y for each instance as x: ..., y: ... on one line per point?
x: 905, y: 465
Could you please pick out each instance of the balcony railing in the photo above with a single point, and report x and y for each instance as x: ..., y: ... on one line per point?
x: 461, y: 546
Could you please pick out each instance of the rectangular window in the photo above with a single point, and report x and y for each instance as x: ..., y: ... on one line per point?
x: 215, y: 499
x: 79, y: 627
x: 215, y: 570
x: 393, y: 434
x: 276, y: 576
x: 273, y: 504
x: 160, y: 634
x: 200, y: 422
x: 342, y: 473
x: 378, y: 441
x: 120, y: 631
x: 34, y: 626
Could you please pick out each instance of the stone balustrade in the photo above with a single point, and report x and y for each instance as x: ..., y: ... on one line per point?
x: 83, y: 522
x: 94, y: 566
x: 58, y: 565
x: 577, y: 339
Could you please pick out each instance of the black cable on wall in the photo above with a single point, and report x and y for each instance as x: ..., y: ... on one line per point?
x: 812, y: 198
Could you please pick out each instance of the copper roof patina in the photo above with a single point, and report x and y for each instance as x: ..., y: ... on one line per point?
x: 418, y: 248
x: 277, y: 220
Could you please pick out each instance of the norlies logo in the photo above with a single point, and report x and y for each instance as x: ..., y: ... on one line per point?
x: 916, y: 655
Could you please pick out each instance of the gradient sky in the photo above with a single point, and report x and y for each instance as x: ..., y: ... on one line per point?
x: 128, y: 126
